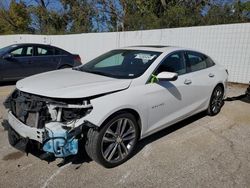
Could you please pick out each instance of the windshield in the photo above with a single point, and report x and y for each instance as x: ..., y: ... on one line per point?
x: 121, y: 63
x: 5, y: 49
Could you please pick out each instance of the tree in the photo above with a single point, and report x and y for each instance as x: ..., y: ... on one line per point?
x: 79, y: 15
x: 241, y: 11
x: 152, y: 14
x: 16, y: 19
x: 46, y: 20
x: 236, y: 12
x: 147, y: 15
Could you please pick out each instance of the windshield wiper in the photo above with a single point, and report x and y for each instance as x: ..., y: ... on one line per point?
x: 91, y: 71
x: 98, y: 72
x: 76, y: 68
x: 80, y: 68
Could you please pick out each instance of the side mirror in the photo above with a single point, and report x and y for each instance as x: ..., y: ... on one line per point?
x: 7, y: 56
x: 167, y: 76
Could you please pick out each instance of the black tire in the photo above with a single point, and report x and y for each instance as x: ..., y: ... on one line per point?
x: 216, y: 101
x: 95, y: 143
x: 65, y: 67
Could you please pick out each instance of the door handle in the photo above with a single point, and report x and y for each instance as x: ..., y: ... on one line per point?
x: 187, y: 82
x: 211, y: 75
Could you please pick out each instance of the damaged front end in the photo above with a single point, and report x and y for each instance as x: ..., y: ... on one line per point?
x: 53, y: 126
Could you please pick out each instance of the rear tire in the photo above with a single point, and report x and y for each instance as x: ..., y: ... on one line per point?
x: 65, y: 67
x: 114, y: 143
x: 216, y: 101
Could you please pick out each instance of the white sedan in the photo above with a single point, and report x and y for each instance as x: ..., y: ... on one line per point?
x: 113, y: 101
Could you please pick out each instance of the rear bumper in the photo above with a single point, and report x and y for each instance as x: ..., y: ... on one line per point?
x: 24, y: 130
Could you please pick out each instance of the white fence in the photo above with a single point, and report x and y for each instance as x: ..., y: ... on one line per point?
x: 227, y: 44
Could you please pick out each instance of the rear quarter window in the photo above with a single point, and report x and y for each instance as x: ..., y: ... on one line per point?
x: 209, y: 62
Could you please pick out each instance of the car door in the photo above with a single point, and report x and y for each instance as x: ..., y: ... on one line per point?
x: 17, y: 65
x: 44, y: 59
x: 62, y: 58
x: 203, y: 77
x: 169, y: 101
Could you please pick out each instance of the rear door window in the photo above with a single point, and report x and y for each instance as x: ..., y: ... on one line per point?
x: 196, y: 61
x: 44, y: 51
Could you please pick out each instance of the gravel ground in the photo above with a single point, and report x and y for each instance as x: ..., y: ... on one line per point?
x: 201, y: 151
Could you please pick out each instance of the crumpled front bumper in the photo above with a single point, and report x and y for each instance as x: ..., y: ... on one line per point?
x: 25, y: 138
x: 52, y: 139
x: 24, y: 130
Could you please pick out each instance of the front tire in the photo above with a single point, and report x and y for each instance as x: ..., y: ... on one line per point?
x: 114, y: 143
x: 216, y: 101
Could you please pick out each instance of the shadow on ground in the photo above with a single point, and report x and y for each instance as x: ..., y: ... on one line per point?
x: 8, y: 83
x: 243, y: 98
x: 156, y: 136
x: 82, y: 156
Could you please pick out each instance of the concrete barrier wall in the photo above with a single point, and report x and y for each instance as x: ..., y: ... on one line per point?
x: 229, y: 45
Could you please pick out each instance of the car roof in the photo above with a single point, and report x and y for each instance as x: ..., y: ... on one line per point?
x: 157, y: 48
x: 37, y: 44
x: 27, y: 44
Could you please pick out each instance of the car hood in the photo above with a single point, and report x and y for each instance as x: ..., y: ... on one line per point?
x: 68, y: 83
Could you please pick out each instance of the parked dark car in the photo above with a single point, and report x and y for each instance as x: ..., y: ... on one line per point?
x: 248, y: 92
x: 21, y: 60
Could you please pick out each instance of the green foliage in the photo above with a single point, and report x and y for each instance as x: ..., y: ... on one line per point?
x: 14, y: 20
x: 235, y: 13
x: 78, y: 16
x: 140, y: 16
x: 180, y: 16
x: 218, y: 15
x: 47, y: 21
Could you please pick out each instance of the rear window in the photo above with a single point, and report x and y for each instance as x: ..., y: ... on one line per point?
x: 60, y: 52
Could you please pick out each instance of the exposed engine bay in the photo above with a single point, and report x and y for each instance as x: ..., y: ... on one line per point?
x: 54, y: 121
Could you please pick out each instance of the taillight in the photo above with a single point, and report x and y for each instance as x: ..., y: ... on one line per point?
x: 78, y: 58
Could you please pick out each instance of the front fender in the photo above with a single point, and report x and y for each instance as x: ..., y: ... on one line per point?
x: 105, y: 106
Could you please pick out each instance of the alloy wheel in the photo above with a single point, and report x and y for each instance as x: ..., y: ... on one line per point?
x: 118, y: 140
x: 217, y: 100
